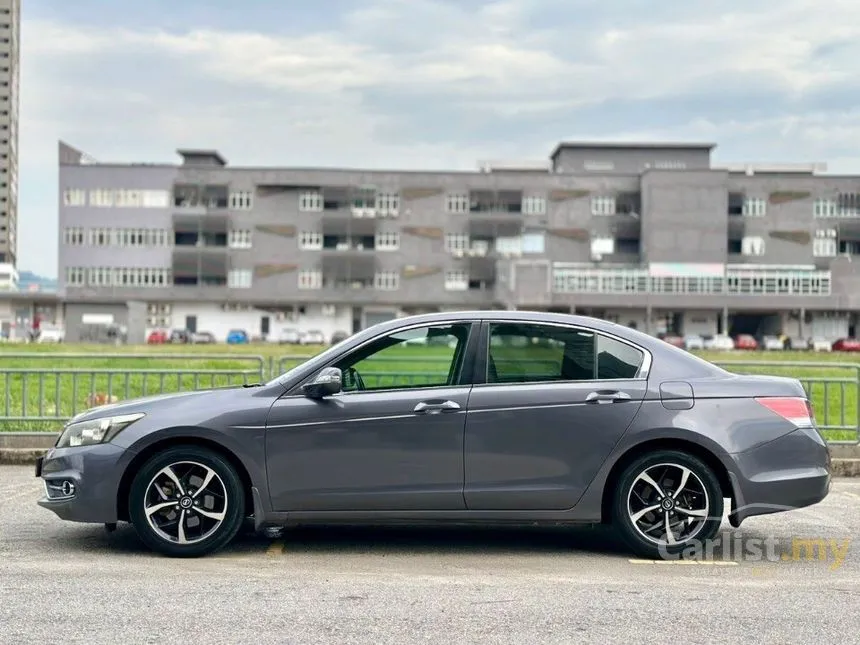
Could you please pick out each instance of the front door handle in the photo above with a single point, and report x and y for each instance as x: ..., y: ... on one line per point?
x: 607, y: 396
x: 436, y: 407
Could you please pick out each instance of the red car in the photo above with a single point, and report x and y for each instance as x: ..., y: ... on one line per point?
x: 157, y: 337
x: 745, y: 341
x: 846, y: 345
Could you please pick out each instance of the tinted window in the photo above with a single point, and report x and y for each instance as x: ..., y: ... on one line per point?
x: 617, y: 360
x: 422, y: 357
x: 523, y: 353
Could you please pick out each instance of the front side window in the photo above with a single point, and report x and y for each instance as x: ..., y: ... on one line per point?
x: 524, y: 353
x: 422, y: 357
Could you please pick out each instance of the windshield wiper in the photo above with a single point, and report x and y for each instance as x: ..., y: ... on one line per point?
x: 252, y: 385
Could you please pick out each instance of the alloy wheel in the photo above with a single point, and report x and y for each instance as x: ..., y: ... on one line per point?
x: 668, y: 504
x: 185, y: 502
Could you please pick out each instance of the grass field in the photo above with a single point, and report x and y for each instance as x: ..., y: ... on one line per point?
x: 42, y: 385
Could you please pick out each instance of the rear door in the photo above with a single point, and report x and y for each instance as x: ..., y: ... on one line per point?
x: 553, y: 403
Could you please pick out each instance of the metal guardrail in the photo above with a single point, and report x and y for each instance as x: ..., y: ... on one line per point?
x: 34, y: 396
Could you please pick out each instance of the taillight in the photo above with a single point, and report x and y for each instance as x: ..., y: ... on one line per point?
x: 795, y: 409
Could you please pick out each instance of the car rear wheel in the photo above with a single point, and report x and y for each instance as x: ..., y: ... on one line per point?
x: 186, y: 502
x: 667, y: 503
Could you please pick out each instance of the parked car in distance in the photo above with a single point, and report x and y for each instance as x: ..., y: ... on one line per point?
x: 51, y: 334
x: 157, y: 337
x: 821, y: 345
x: 800, y: 344
x: 720, y: 342
x: 289, y: 336
x: 339, y: 336
x: 180, y: 336
x: 772, y: 344
x: 694, y: 342
x: 846, y: 345
x: 745, y: 341
x: 672, y: 339
x: 237, y: 337
x: 313, y: 337
x: 202, y: 338
x: 334, y: 439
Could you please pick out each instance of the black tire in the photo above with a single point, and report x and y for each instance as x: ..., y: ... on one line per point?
x: 192, y: 464
x: 701, y: 492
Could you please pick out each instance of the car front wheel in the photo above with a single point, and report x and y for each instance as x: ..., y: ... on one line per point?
x: 186, y: 502
x: 668, y: 504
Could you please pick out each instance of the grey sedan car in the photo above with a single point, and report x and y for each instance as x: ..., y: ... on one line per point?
x: 493, y: 417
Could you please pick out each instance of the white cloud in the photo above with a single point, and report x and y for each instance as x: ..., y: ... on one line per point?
x: 433, y: 83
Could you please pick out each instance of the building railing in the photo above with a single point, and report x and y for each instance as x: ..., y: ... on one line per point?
x: 579, y: 279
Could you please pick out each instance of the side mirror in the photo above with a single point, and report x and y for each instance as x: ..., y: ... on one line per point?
x: 326, y: 383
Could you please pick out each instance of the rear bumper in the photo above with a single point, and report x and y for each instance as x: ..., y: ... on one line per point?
x: 783, y: 475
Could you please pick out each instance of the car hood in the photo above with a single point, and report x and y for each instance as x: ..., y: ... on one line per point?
x: 143, y: 404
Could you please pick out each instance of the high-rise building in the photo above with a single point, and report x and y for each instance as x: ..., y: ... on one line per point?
x: 10, y: 41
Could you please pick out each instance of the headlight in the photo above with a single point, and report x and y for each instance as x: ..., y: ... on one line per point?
x: 88, y: 433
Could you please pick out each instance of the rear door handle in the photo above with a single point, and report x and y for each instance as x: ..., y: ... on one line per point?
x: 607, y: 396
x: 436, y: 407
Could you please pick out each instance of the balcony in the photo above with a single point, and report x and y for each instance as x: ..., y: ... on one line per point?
x: 495, y: 212
x: 199, y: 269
x: 737, y: 280
x: 201, y: 198
x: 345, y: 244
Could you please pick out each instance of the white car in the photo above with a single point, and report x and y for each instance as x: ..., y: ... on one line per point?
x: 289, y: 337
x: 772, y: 343
x: 720, y: 342
x: 821, y: 345
x: 51, y: 334
x: 313, y: 337
x: 694, y: 341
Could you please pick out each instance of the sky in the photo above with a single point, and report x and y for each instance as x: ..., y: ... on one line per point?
x: 426, y: 84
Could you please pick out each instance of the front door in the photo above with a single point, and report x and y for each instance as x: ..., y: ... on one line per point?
x: 191, y: 324
x: 556, y: 401
x: 391, y: 441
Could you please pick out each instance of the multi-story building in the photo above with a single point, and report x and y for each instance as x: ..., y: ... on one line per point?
x: 10, y: 28
x: 651, y: 235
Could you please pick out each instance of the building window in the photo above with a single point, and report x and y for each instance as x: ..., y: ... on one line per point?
x: 534, y: 205
x: 239, y: 239
x: 824, y: 208
x: 386, y: 281
x: 456, y: 242
x: 127, y: 199
x: 311, y: 201
x: 509, y: 245
x: 75, y: 276
x: 824, y: 245
x: 241, y: 200
x: 155, y: 198
x: 534, y: 243
x: 100, y: 237
x: 754, y: 207
x: 150, y: 277
x: 74, y: 197
x: 310, y: 279
x: 752, y: 246
x: 387, y: 241
x: 73, y: 236
x: 99, y: 277
x: 101, y: 198
x: 239, y: 278
x: 601, y: 246
x: 457, y: 203
x: 310, y: 241
x: 140, y: 237
x: 388, y: 204
x: 456, y: 281
x: 603, y: 206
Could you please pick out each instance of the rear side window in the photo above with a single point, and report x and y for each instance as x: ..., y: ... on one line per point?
x: 524, y: 353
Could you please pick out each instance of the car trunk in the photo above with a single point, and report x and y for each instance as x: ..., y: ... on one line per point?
x: 746, y: 386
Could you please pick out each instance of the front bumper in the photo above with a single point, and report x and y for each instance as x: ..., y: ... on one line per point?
x: 782, y: 475
x: 91, y: 473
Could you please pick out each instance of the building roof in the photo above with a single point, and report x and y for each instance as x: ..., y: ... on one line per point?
x: 627, y: 145
x: 190, y: 154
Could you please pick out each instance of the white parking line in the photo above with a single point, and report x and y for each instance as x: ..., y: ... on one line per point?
x: 716, y: 563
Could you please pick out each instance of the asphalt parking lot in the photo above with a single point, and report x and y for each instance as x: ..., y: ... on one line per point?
x: 68, y: 583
